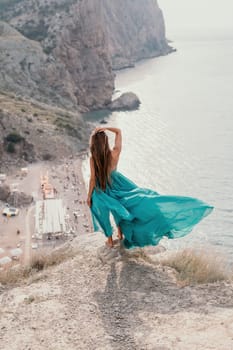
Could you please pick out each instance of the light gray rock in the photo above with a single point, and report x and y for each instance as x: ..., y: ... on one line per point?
x: 26, y: 69
x: 74, y: 45
x: 71, y: 66
x: 20, y: 199
x: 126, y: 102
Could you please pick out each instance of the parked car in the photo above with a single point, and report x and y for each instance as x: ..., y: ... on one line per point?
x: 34, y: 245
x: 10, y: 211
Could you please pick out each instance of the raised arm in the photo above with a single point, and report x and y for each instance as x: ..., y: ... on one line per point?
x: 91, y: 182
x: 118, y: 137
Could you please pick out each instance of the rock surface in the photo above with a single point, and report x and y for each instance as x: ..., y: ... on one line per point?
x: 19, y: 199
x: 126, y: 304
x: 136, y: 30
x: 126, y: 102
x: 26, y: 69
x: 70, y: 46
x: 74, y: 45
x: 46, y: 132
x: 4, y: 192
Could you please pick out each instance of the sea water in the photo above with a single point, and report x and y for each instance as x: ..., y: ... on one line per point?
x: 180, y: 141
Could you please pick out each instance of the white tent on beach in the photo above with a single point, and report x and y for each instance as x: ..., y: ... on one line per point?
x: 50, y: 218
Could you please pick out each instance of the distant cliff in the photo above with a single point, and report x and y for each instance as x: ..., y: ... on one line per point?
x: 135, y: 30
x: 68, y: 48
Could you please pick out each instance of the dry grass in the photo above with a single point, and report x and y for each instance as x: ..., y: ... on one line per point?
x: 12, y: 276
x: 40, y: 262
x: 137, y: 254
x: 197, y: 267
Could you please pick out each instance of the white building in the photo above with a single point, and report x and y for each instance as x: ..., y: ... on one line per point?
x: 50, y: 218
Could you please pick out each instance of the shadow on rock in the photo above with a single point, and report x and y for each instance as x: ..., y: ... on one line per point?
x: 138, y: 294
x: 132, y: 289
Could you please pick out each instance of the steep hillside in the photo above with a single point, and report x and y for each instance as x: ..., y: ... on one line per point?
x: 74, y: 45
x: 32, y: 131
x: 74, y: 48
x: 27, y: 70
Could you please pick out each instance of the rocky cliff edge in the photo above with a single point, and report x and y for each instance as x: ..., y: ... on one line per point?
x: 125, y: 303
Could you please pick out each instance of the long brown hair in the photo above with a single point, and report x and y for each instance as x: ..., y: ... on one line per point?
x: 101, y: 155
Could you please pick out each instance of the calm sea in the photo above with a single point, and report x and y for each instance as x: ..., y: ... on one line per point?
x: 180, y: 141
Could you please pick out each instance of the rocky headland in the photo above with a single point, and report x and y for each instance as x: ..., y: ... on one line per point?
x: 135, y: 30
x: 57, y: 60
x: 64, y: 51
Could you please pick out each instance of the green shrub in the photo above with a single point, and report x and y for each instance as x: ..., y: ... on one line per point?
x: 10, y: 147
x: 48, y: 49
x: 14, y: 137
x: 47, y: 156
x: 35, y: 31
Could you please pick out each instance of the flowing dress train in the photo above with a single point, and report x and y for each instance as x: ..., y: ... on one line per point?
x: 143, y: 215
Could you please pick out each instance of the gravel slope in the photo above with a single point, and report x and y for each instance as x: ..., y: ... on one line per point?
x: 103, y: 300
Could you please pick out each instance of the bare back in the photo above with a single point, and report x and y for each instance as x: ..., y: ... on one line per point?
x: 115, y: 160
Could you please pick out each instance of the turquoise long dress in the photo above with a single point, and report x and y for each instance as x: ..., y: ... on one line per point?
x: 144, y: 216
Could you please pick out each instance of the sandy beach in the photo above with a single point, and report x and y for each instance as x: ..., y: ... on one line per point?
x: 19, y: 231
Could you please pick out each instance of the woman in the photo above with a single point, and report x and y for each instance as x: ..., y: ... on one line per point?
x: 143, y: 217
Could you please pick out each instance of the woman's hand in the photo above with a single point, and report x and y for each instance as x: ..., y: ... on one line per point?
x: 99, y: 129
x: 89, y: 202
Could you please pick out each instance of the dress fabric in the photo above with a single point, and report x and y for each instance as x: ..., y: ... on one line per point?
x: 144, y: 216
